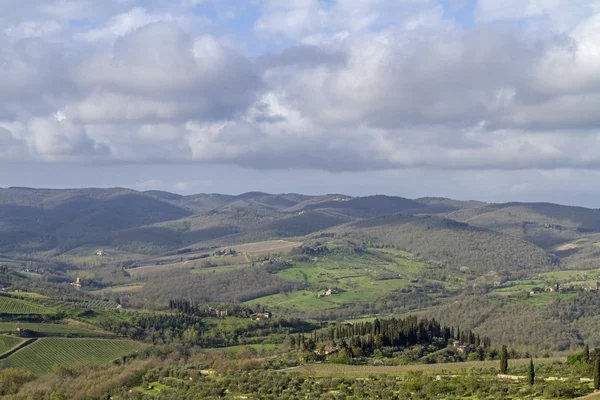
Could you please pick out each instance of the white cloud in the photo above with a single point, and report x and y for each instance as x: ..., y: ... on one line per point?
x: 28, y: 29
x: 563, y: 14
x: 383, y: 85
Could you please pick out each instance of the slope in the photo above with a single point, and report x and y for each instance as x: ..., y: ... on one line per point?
x: 544, y: 224
x: 42, y: 219
x: 451, y: 243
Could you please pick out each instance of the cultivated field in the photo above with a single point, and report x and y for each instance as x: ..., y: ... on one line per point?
x: 61, y: 329
x: 263, y: 248
x: 40, y: 356
x: 7, y: 343
x: 10, y: 305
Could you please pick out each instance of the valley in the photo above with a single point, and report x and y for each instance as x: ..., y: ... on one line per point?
x: 287, y: 284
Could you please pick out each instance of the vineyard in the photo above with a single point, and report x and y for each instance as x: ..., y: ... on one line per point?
x: 7, y: 343
x: 81, y: 304
x: 40, y: 356
x: 9, y: 305
x: 54, y: 329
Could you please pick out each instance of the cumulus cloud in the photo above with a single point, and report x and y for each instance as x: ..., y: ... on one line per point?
x: 344, y: 85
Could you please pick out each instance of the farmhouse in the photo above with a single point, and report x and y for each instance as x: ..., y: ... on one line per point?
x: 461, y: 347
x: 328, y: 292
x: 326, y: 350
x: 100, y: 252
x: 264, y: 315
x: 77, y: 283
x: 535, y: 291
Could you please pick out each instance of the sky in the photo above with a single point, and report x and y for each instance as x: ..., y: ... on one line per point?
x: 495, y: 100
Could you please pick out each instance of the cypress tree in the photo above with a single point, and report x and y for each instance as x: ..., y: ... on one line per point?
x: 531, y: 374
x: 503, y: 360
x: 586, y: 354
x: 597, y: 373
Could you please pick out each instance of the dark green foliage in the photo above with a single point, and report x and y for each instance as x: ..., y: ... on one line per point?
x: 503, y: 360
x: 531, y: 373
x: 364, y: 338
x: 596, y: 372
x: 586, y: 354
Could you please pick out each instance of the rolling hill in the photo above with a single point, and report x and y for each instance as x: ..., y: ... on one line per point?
x: 507, y: 236
x: 43, y: 219
x: 544, y: 224
x: 451, y: 243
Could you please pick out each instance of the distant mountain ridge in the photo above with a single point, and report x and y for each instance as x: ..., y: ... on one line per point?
x: 53, y: 221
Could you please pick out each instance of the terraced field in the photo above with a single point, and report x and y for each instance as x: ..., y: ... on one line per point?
x: 7, y: 343
x: 10, y: 305
x: 42, y: 355
x: 62, y: 329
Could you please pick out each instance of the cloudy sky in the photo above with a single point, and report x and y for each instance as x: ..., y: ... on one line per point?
x: 488, y: 99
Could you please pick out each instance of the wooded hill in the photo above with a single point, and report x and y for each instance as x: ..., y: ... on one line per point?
x: 46, y: 223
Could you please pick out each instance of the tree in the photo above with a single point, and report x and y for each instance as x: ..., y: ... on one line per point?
x: 586, y: 354
x: 503, y: 359
x: 596, y: 373
x: 531, y: 372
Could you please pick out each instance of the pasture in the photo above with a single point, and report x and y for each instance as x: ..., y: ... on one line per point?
x: 31, y: 295
x: 9, y: 305
x: 43, y: 354
x: 362, y: 278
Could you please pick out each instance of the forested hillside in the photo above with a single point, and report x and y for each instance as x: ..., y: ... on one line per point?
x: 452, y: 243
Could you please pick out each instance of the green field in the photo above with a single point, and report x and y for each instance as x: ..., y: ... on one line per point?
x: 572, y: 275
x: 363, y: 278
x: 31, y: 295
x: 364, y: 371
x: 302, y: 300
x: 7, y: 343
x: 40, y: 356
x: 63, y: 329
x: 10, y: 305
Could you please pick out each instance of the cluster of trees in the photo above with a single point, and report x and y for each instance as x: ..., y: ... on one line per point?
x: 209, y: 309
x: 364, y: 338
x: 271, y: 385
x: 193, y: 330
x: 316, y: 250
x: 232, y: 286
x: 403, y: 332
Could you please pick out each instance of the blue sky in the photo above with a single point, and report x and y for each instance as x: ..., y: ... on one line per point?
x: 486, y: 99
